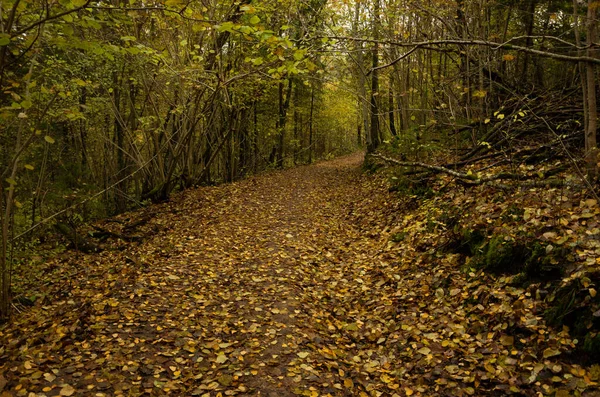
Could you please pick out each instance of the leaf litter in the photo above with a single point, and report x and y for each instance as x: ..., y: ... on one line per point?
x: 280, y: 285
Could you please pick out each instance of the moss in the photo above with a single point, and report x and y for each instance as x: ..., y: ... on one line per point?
x: 591, y: 345
x: 466, y: 241
x: 501, y: 254
x: 370, y: 165
x: 406, y: 186
x: 398, y: 237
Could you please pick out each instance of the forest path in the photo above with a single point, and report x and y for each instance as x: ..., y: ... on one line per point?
x: 312, y: 281
x: 255, y: 273
x: 251, y: 288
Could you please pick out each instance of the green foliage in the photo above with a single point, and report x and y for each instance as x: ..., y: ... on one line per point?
x: 398, y: 237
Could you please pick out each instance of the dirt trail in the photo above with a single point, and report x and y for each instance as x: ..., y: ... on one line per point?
x: 313, y: 281
x: 240, y: 296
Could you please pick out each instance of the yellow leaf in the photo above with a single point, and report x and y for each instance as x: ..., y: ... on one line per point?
x: 113, y: 302
x: 508, y: 57
x: 592, y: 292
x: 385, y: 378
x: 409, y: 392
x: 549, y: 352
x: 67, y: 390
x: 303, y: 354
x: 348, y: 383
x: 221, y: 358
x: 424, y: 350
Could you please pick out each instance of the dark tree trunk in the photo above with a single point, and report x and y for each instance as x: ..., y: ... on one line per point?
x: 375, y: 140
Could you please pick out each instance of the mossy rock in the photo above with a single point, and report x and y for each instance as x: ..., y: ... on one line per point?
x: 501, y: 254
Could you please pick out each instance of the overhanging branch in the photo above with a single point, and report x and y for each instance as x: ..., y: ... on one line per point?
x: 483, y: 43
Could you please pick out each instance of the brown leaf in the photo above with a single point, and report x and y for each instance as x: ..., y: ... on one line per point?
x: 507, y: 340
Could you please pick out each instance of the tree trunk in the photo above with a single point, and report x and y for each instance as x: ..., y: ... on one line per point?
x: 4, y: 271
x: 284, y: 104
x: 529, y: 20
x: 363, y: 104
x: 310, y: 125
x: 119, y: 139
x: 591, y: 149
x: 373, y: 139
x: 581, y: 65
x: 391, y: 109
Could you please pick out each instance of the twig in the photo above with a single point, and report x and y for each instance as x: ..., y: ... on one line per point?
x: 395, y: 61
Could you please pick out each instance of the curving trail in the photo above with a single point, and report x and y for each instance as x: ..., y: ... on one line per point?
x: 245, y: 291
x: 280, y: 285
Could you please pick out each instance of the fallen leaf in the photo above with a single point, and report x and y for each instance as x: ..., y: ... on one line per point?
x: 507, y: 340
x: 67, y: 390
x: 348, y: 383
x: 221, y: 358
x: 424, y: 350
x: 549, y: 352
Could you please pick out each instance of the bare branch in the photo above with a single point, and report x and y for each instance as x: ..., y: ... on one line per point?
x: 51, y: 17
x: 395, y: 61
x: 483, y: 43
x: 474, y: 180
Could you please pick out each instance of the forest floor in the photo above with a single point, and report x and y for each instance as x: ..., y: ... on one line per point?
x: 289, y: 283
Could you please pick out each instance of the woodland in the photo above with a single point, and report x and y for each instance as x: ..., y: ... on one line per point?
x: 312, y: 197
